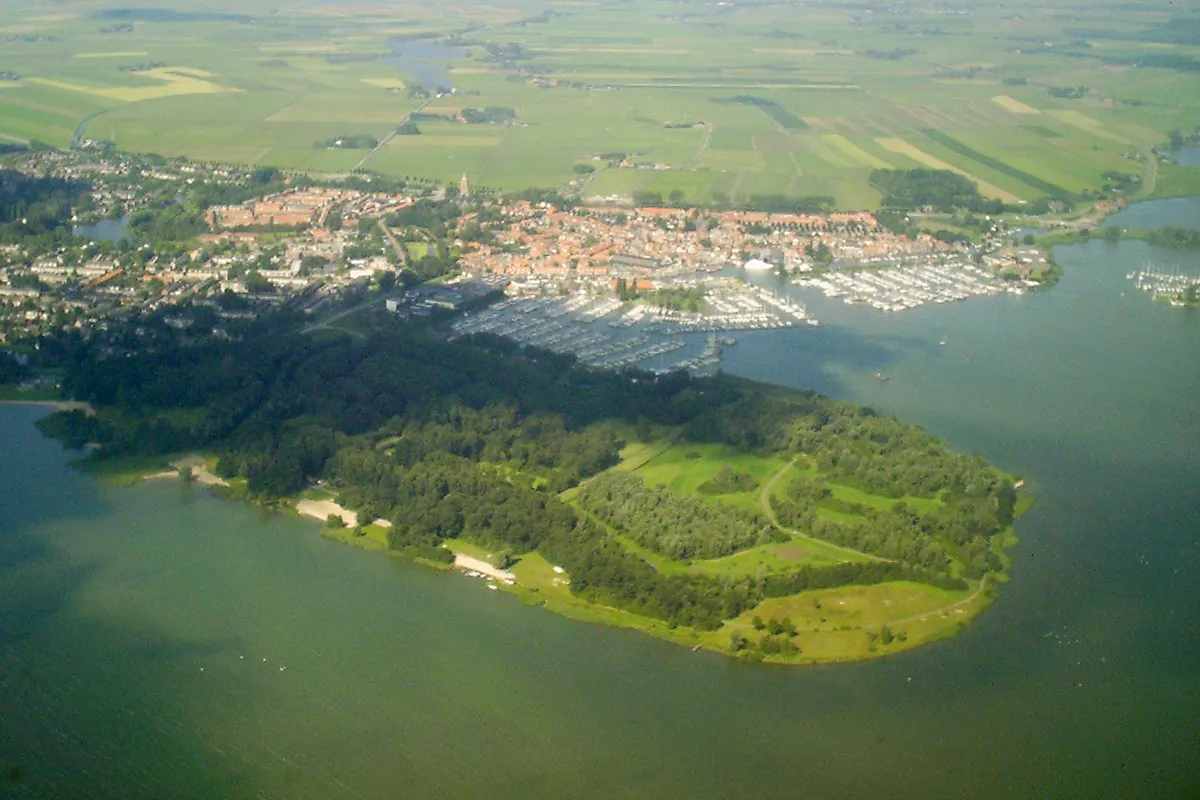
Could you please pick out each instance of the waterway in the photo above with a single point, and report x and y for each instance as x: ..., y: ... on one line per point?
x: 1187, y: 156
x: 425, y: 61
x: 157, y: 641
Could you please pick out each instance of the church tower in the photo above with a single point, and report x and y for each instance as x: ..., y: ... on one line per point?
x: 464, y: 187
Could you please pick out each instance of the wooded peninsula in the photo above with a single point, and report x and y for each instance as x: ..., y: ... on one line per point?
x: 747, y: 519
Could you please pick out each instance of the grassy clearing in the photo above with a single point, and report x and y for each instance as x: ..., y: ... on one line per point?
x: 851, y: 495
x: 683, y: 468
x: 370, y: 537
x: 845, y: 624
x: 774, y: 557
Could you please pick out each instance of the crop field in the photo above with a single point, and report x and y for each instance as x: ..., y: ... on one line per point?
x: 722, y: 102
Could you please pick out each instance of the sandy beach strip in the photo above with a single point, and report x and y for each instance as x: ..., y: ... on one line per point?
x: 324, y: 509
x: 200, y: 471
x: 57, y: 405
x: 475, y: 564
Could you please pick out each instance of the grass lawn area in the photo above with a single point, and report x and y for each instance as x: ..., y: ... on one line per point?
x: 849, y: 494
x: 466, y: 548
x: 773, y: 557
x: 1176, y: 181
x: 833, y: 624
x: 369, y: 537
x: 684, y: 467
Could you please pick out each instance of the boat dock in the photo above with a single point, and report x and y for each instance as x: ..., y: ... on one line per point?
x: 904, y: 288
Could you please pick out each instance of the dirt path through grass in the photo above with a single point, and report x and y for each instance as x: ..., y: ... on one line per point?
x: 764, y: 500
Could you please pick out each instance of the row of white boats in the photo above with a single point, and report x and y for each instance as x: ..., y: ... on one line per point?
x: 1171, y: 286
x: 910, y: 287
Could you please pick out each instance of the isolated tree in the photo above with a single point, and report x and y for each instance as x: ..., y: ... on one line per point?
x: 501, y: 559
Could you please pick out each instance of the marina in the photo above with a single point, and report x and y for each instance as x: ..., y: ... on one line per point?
x: 606, y: 333
x: 1176, y: 287
x: 911, y: 287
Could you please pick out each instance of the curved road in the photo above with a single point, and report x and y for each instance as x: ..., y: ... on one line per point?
x: 764, y: 500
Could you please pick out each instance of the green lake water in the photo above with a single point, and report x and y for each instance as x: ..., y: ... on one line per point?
x: 158, y: 642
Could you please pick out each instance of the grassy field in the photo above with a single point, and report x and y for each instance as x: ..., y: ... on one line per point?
x: 725, y: 102
x: 845, y: 624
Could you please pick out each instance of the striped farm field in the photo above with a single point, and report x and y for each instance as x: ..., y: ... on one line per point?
x: 856, y: 153
x: 1086, y: 123
x: 1014, y: 105
x: 173, y: 83
x: 1003, y: 167
x: 384, y: 83
x: 738, y: 102
x: 118, y: 54
x: 902, y: 147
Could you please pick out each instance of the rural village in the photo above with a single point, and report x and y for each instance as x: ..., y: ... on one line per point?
x: 322, y: 248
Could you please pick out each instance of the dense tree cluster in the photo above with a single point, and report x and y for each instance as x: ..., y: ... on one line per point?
x: 490, y: 114
x: 37, y: 211
x: 674, y: 525
x: 12, y: 370
x: 941, y: 189
x: 690, y: 298
x: 261, y: 181
x: 1176, y: 237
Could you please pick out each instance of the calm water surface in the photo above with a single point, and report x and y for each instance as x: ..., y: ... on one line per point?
x: 159, y: 642
x: 105, y: 230
x: 425, y: 61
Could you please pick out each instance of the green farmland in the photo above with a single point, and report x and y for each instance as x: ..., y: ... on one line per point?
x: 719, y: 102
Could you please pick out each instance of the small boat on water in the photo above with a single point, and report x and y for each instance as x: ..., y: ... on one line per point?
x: 879, y: 376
